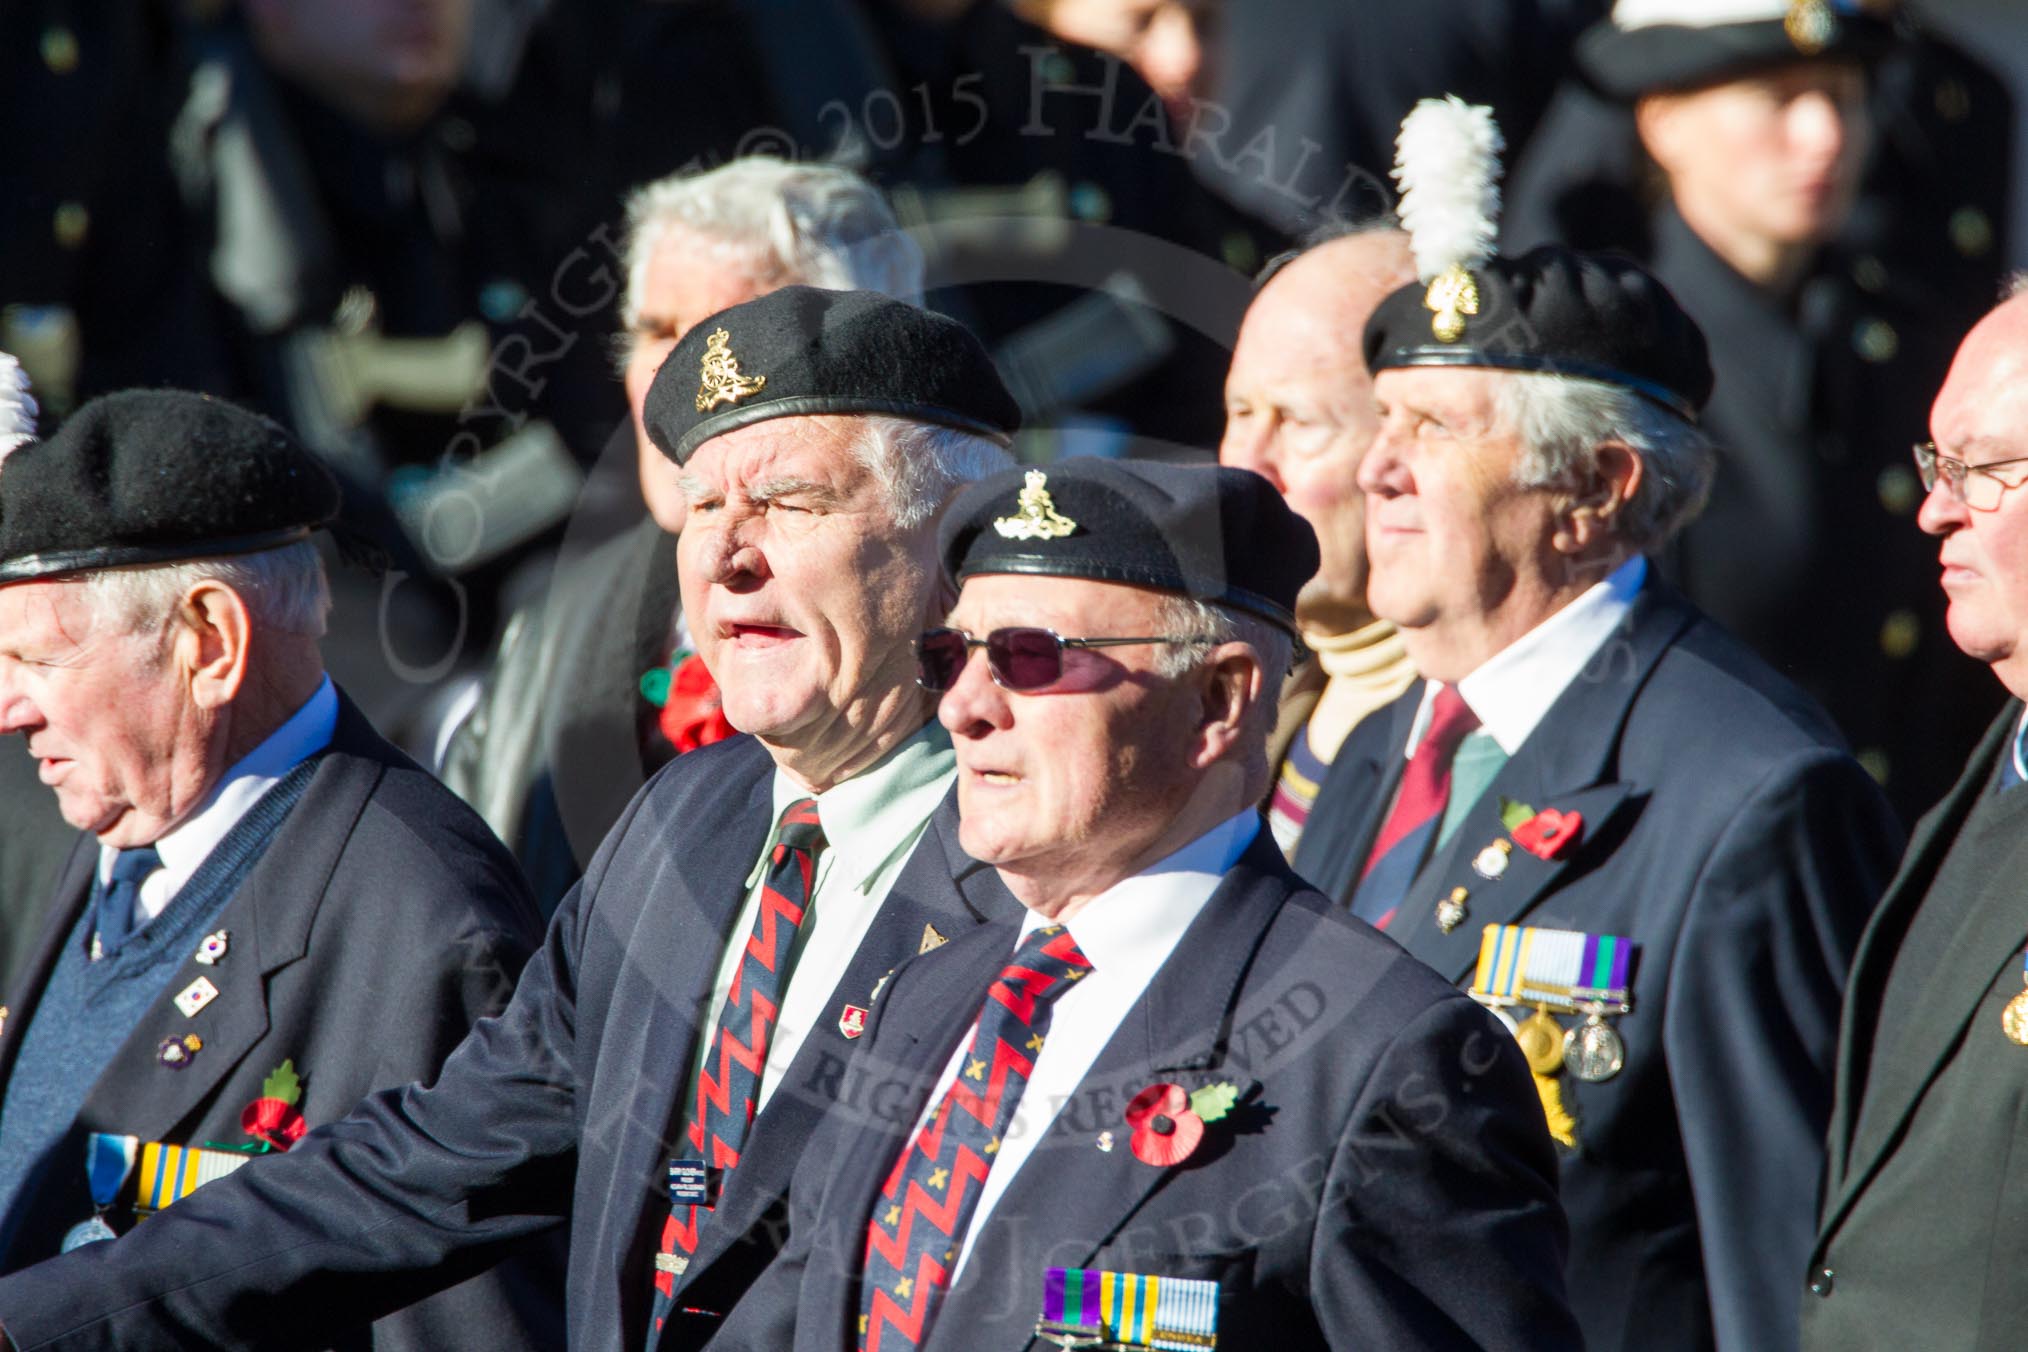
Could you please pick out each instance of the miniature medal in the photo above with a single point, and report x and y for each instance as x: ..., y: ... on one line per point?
x: 2014, y: 1018
x: 1593, y: 1051
x: 1491, y: 862
x: 1541, y: 1039
x: 1452, y: 912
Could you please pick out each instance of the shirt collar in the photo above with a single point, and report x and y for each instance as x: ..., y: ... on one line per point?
x: 1512, y: 690
x: 307, y: 731
x: 1144, y: 916
x: 873, y: 816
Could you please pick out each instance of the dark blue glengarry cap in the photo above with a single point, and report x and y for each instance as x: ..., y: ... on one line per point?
x: 156, y: 476
x: 803, y: 350
x: 1206, y: 531
x: 1652, y: 46
x: 1553, y: 310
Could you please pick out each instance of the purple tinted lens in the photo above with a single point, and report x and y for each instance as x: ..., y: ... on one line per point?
x: 939, y: 659
x: 1024, y: 659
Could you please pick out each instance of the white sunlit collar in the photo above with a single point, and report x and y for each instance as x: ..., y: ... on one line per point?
x: 1148, y: 912
x: 872, y: 816
x: 1512, y: 690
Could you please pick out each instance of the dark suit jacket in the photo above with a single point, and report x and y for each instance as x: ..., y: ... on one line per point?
x: 564, y: 1108
x: 1386, y: 1182
x: 380, y: 924
x: 33, y: 843
x: 1927, y: 1111
x: 1727, y: 833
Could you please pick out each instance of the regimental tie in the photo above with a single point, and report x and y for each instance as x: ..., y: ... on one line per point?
x: 920, y: 1218
x: 728, y: 1086
x: 121, y: 899
x: 1418, y: 808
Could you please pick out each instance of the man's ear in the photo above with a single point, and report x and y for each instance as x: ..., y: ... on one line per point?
x: 213, y: 648
x: 1660, y: 129
x: 1586, y: 517
x: 1233, y: 685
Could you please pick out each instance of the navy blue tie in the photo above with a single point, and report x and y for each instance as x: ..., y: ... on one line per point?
x: 122, y: 898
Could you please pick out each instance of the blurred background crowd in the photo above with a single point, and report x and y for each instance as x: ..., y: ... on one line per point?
x: 402, y: 227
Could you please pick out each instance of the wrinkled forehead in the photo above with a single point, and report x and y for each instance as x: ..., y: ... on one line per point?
x: 44, y: 611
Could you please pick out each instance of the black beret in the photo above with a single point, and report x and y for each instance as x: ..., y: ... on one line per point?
x: 1627, y: 63
x: 1552, y: 310
x: 154, y: 476
x: 1206, y: 531
x: 803, y: 350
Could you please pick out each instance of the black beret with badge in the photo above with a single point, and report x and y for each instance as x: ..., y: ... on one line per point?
x: 156, y: 476
x: 804, y: 350
x: 1210, y: 532
x: 1651, y: 46
x: 1553, y: 310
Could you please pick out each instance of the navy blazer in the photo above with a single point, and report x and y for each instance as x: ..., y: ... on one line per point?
x: 1386, y: 1181
x: 563, y: 1109
x: 1729, y: 835
x: 382, y: 922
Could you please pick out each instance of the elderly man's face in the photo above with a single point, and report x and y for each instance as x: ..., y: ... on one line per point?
x: 1073, y: 783
x: 1463, y: 559
x: 1299, y: 406
x: 688, y: 277
x: 1773, y: 160
x: 803, y: 594
x: 1981, y: 416
x: 105, y: 712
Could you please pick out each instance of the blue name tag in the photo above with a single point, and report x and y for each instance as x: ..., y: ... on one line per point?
x: 689, y: 1183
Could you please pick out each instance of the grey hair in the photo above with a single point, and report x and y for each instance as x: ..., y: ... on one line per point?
x: 2015, y: 286
x: 1562, y: 420
x: 920, y: 465
x: 284, y: 589
x: 1215, y: 624
x: 817, y: 224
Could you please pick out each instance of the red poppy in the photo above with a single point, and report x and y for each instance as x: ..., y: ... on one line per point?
x: 1166, y: 1130
x: 1549, y: 832
x: 691, y: 716
x: 273, y: 1121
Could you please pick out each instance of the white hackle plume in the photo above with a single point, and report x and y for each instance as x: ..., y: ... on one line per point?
x: 17, y: 407
x: 1447, y: 163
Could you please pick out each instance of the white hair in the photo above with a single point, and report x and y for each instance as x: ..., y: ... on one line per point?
x: 782, y: 223
x: 1208, y: 625
x: 920, y: 465
x: 1562, y: 421
x: 2016, y: 285
x: 284, y: 589
x: 17, y: 407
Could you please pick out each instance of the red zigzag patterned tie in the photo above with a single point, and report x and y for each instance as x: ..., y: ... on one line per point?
x: 919, y: 1222
x: 729, y: 1084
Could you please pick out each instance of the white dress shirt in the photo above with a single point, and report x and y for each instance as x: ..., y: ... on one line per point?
x: 871, y: 825
x: 1512, y: 690
x: 1127, y: 932
x: 191, y: 842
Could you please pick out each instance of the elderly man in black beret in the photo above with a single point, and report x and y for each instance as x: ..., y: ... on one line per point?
x: 1620, y: 827
x: 667, y: 1054
x: 272, y: 913
x: 1181, y: 1100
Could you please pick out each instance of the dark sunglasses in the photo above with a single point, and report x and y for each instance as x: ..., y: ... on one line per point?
x: 1017, y: 659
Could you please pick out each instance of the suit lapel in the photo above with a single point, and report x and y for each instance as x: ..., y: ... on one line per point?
x: 1353, y: 801
x: 1176, y: 1032
x: 940, y: 888
x: 73, y: 894
x: 1934, y: 836
x: 1567, y: 764
x: 269, y: 917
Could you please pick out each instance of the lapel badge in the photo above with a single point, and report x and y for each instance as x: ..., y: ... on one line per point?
x: 213, y: 948
x: 1452, y: 912
x: 930, y: 939
x: 852, y: 1022
x: 1035, y: 516
x: 1451, y: 297
x: 3, y: 1018
x: 1105, y: 1142
x: 2013, y: 1019
x: 718, y: 372
x: 1491, y: 862
x: 1811, y: 25
x: 175, y: 1052
x: 196, y: 996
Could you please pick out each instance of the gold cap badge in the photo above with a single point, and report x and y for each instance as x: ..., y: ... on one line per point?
x: 1451, y: 296
x: 1036, y: 517
x: 1812, y: 26
x: 719, y: 372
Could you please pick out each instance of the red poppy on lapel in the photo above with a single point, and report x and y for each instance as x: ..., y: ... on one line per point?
x: 1165, y: 1129
x: 273, y: 1119
x: 1549, y: 833
x: 691, y: 716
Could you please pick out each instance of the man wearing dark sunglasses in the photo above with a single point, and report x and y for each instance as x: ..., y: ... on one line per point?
x: 1195, y: 1083
x: 1935, y: 1036
x: 664, y: 1059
